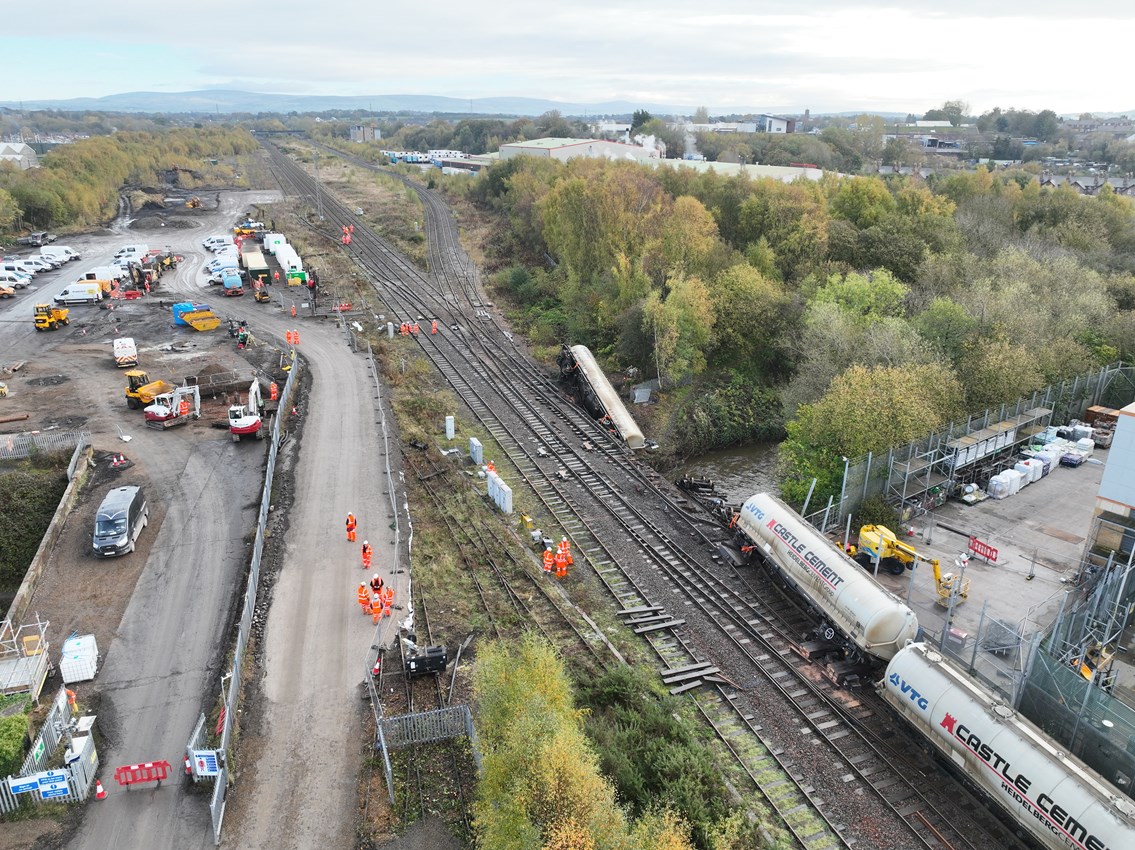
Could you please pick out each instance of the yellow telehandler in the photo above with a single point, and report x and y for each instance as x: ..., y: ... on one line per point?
x: 879, y: 543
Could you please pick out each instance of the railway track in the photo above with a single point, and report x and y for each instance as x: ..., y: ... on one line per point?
x: 586, y: 490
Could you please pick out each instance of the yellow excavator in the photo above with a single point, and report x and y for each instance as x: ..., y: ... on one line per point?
x: 877, y: 542
x: 141, y: 391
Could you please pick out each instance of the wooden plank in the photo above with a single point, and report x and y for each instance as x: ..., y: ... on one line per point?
x: 689, y: 686
x: 670, y: 624
x: 642, y: 609
x: 693, y: 674
x: 698, y: 666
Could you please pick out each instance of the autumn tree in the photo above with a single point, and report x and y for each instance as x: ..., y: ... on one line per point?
x: 910, y: 400
x: 540, y: 784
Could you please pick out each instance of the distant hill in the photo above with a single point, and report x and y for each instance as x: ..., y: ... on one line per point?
x: 221, y: 101
x: 218, y: 101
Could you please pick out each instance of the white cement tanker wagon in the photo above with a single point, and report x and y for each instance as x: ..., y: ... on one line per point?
x: 872, y: 621
x: 1055, y: 797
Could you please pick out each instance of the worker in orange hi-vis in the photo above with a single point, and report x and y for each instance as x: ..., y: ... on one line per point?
x: 387, y: 601
x: 351, y: 525
x: 364, y: 597
x: 565, y: 547
x: 377, y: 607
x: 376, y: 584
x: 415, y: 328
x: 490, y: 467
x: 293, y: 311
x: 561, y: 564
x: 549, y: 559
x: 433, y: 326
x: 366, y: 554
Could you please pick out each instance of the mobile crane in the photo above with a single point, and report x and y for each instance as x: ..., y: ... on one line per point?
x: 879, y: 543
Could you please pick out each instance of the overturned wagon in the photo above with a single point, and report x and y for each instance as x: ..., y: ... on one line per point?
x: 598, y: 397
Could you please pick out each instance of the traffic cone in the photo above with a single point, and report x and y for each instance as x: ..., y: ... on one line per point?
x: 100, y: 792
x: 188, y: 767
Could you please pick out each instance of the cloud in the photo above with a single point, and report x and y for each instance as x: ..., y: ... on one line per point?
x: 822, y: 54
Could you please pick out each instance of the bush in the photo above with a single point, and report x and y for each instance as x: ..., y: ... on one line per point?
x: 653, y: 757
x: 13, y: 733
x: 28, y: 499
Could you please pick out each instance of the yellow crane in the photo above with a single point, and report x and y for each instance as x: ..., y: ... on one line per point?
x: 877, y: 542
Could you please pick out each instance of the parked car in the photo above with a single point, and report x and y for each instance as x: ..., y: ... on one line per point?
x: 6, y: 291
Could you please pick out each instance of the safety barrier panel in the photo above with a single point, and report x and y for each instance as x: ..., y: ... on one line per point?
x: 137, y: 774
x: 20, y: 446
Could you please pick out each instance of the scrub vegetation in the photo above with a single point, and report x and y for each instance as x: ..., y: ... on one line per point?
x: 29, y: 495
x: 78, y: 184
x: 771, y: 309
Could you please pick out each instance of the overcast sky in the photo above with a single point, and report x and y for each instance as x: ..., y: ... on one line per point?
x: 786, y: 55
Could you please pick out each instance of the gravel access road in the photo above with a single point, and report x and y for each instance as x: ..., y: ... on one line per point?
x: 305, y: 733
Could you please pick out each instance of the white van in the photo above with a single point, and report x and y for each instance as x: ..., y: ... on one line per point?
x: 80, y: 292
x: 16, y: 281
x: 105, y: 273
x: 61, y: 252
x: 128, y: 250
x: 215, y: 242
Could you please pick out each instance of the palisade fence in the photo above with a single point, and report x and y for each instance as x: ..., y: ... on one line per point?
x: 877, y: 475
x: 232, y: 695
x: 25, y: 445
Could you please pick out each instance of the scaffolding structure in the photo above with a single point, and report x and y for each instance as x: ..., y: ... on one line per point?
x: 923, y: 473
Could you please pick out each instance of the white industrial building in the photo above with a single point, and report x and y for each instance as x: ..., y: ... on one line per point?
x: 565, y: 149
x: 20, y: 154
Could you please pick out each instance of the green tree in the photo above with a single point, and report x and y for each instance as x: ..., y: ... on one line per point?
x: 701, y: 115
x: 863, y: 201
x: 752, y: 319
x: 947, y: 326
x: 911, y: 400
x: 874, y: 295
x: 640, y: 117
x: 9, y: 210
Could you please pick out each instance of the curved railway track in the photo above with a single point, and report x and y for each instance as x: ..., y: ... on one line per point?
x: 846, y: 786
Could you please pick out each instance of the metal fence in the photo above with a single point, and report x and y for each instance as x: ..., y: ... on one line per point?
x: 876, y: 475
x: 232, y: 695
x: 25, y: 445
x: 55, y: 726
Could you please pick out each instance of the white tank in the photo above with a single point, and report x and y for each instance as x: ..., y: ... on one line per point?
x: 622, y: 420
x: 873, y: 618
x: 1056, y: 797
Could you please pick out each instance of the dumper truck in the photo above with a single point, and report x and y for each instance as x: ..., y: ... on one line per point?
x: 141, y: 391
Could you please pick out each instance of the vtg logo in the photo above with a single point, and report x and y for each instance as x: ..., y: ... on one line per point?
x: 905, y: 687
x: 757, y: 512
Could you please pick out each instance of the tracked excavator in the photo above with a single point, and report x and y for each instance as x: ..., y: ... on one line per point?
x: 244, y: 419
x: 174, y: 408
x: 879, y: 543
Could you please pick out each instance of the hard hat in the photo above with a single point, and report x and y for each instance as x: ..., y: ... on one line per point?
x: 362, y: 584
x: 376, y: 575
x: 366, y: 542
x: 564, y: 539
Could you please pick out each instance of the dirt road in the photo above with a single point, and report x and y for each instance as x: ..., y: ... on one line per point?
x: 297, y: 785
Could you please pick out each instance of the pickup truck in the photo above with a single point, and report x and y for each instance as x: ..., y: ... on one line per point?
x: 37, y: 239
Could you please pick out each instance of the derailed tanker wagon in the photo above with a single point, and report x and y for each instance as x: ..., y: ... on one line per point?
x: 596, y: 394
x: 1053, y: 796
x: 865, y: 619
